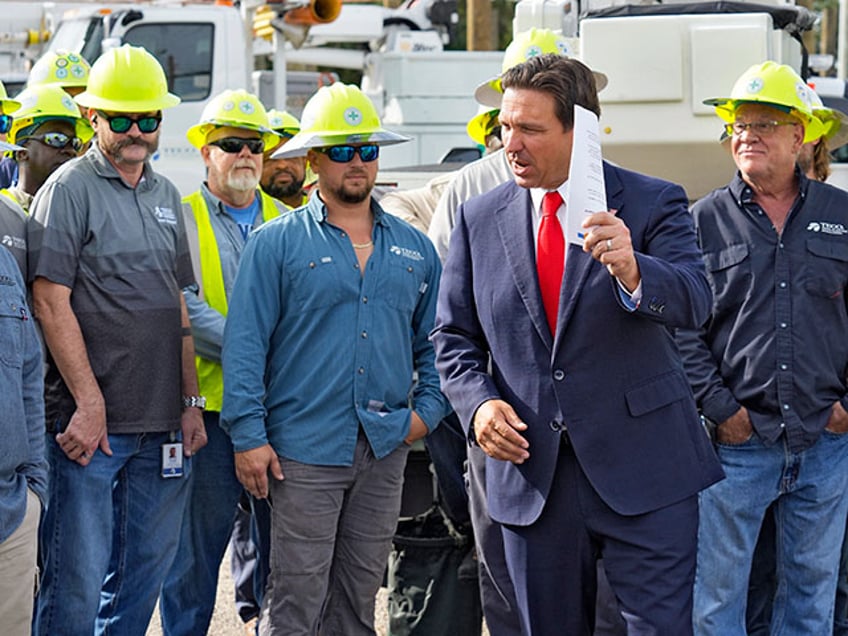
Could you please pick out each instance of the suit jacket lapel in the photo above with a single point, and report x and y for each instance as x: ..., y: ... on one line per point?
x: 578, y: 263
x: 515, y: 226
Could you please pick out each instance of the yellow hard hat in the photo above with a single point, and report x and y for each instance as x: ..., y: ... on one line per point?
x: 44, y: 103
x: 7, y: 105
x: 481, y: 125
x: 527, y: 44
x: 236, y: 109
x: 283, y: 123
x: 834, y: 121
x: 336, y: 115
x: 775, y: 85
x: 60, y: 68
x: 127, y: 79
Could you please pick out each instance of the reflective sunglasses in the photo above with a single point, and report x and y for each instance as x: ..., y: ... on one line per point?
x: 5, y: 123
x: 233, y: 145
x: 58, y: 140
x: 343, y: 154
x: 123, y: 123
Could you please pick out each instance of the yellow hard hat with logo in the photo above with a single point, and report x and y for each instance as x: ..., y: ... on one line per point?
x: 527, y: 44
x: 127, y: 79
x: 338, y: 114
x: 60, y: 68
x: 7, y: 105
x: 44, y: 103
x: 480, y: 126
x: 775, y: 85
x: 234, y: 109
x: 283, y: 123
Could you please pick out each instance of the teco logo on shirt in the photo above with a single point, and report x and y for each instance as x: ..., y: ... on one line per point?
x: 165, y: 215
x: 837, y: 229
x: 414, y: 255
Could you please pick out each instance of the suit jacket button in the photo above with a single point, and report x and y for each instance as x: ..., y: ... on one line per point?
x: 559, y: 375
x: 556, y: 426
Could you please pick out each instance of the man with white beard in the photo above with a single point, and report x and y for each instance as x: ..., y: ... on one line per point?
x: 232, y: 135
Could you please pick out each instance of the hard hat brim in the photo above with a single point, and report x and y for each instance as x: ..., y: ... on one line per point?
x: 9, y: 106
x: 197, y: 134
x: 490, y: 92
x: 5, y: 145
x: 298, y: 145
x: 836, y: 123
x: 88, y: 100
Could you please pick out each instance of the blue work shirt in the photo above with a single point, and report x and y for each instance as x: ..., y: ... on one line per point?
x: 777, y: 340
x: 314, y: 349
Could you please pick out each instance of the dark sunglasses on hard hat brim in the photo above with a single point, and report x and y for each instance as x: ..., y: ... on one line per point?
x: 122, y: 123
x: 56, y: 140
x: 233, y: 145
x: 344, y: 154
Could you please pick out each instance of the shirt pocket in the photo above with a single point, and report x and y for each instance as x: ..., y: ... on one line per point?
x: 13, y: 313
x: 730, y: 275
x: 315, y: 283
x: 404, y: 282
x: 826, y: 268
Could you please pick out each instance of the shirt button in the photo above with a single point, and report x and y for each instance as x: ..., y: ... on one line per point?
x: 783, y: 284
x: 356, y: 266
x: 364, y: 334
x: 409, y: 269
x: 780, y: 245
x: 312, y: 264
x: 342, y: 234
x: 559, y: 374
x: 785, y: 407
x: 783, y: 325
x: 360, y: 370
x: 365, y: 299
x: 783, y: 425
x: 783, y: 367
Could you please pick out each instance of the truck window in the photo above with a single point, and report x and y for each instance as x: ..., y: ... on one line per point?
x: 183, y: 50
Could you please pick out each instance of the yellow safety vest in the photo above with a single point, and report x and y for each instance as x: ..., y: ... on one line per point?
x: 210, y: 375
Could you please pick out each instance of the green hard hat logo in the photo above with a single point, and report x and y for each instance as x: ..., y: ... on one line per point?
x: 755, y: 85
x: 353, y: 116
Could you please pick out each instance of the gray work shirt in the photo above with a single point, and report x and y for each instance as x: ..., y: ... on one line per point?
x: 123, y: 253
x: 13, y: 231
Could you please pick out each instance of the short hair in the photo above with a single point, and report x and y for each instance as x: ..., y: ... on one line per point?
x: 567, y: 80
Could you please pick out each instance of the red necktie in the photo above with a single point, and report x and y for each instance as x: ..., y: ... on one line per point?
x: 550, y: 257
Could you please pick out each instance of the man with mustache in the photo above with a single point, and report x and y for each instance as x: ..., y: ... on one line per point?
x: 108, y: 258
x: 328, y: 323
x: 232, y: 135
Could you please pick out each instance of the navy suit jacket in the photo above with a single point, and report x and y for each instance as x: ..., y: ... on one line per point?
x: 613, y: 377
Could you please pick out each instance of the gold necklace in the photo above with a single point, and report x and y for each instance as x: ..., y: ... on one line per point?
x: 362, y: 246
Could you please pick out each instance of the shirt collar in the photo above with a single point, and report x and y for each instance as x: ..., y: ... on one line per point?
x: 744, y: 194
x: 537, y: 194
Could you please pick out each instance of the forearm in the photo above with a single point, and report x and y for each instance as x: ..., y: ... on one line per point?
x: 64, y: 339
x: 207, y: 326
x: 189, y: 370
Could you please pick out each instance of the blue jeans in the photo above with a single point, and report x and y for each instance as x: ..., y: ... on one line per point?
x: 809, y: 492
x: 108, y: 536
x: 188, y: 593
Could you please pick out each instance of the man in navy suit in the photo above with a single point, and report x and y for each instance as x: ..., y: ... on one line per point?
x: 578, y: 395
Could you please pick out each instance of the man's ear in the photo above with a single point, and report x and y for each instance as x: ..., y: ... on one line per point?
x: 21, y: 155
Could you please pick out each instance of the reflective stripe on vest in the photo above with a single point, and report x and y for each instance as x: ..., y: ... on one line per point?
x: 210, y: 376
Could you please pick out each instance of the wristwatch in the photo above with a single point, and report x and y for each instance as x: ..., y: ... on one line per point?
x: 194, y: 401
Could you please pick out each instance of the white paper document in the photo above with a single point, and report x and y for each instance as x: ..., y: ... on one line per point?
x: 586, y: 191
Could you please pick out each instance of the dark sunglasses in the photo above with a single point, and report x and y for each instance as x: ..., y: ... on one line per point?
x: 233, y: 145
x: 122, y: 123
x: 58, y: 140
x: 343, y: 154
x: 5, y: 123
